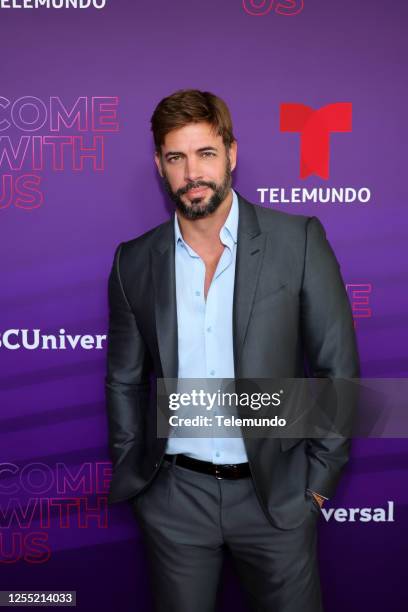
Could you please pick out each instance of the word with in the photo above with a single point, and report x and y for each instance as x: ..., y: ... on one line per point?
x: 71, y: 511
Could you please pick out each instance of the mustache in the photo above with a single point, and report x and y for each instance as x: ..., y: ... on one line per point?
x: 195, y: 185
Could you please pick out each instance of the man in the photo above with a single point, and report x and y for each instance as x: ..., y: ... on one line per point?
x: 225, y: 289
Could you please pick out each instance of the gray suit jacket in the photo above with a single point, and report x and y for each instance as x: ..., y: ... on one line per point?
x: 290, y: 304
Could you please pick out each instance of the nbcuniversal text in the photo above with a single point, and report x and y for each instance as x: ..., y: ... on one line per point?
x: 33, y: 339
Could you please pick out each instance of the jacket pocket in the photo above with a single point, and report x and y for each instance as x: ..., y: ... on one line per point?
x: 269, y: 293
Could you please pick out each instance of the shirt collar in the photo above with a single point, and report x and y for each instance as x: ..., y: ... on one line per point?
x: 229, y: 230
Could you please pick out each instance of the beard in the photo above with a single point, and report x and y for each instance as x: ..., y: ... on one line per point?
x: 198, y: 208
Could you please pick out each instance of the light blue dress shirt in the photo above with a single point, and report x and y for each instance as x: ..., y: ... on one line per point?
x: 205, y: 340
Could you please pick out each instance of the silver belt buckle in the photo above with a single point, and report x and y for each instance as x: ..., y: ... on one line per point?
x: 217, y: 473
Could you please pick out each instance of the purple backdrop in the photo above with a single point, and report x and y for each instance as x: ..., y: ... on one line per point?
x: 56, y: 256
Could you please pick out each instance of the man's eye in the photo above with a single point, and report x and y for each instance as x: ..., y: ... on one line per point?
x: 174, y: 158
x: 208, y: 154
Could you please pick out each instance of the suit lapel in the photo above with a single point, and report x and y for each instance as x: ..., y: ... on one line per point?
x: 250, y: 250
x: 165, y: 305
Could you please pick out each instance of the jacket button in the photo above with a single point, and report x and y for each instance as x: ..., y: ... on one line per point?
x: 156, y: 465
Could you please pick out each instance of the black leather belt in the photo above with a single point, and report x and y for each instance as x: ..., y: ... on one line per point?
x: 232, y: 471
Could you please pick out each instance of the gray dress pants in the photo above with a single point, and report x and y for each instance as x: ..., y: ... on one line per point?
x: 188, y: 518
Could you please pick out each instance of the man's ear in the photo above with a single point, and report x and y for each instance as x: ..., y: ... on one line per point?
x: 232, y: 153
x: 157, y: 159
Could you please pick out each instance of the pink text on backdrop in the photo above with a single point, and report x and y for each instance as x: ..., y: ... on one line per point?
x: 258, y: 8
x: 79, y: 145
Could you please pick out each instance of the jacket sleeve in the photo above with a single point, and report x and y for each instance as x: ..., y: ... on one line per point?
x: 127, y: 387
x: 330, y: 345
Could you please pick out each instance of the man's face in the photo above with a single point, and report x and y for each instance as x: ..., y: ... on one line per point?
x: 196, y: 169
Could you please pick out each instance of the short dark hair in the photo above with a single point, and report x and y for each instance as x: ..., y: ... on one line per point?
x: 191, y: 106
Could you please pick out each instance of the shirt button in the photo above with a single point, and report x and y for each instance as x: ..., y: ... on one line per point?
x: 209, y: 328
x: 198, y: 293
x: 217, y: 454
x: 212, y: 372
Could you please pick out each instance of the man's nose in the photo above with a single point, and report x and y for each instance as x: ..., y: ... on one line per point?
x: 192, y: 170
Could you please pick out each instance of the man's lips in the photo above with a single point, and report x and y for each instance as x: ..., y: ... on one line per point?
x: 197, y: 191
